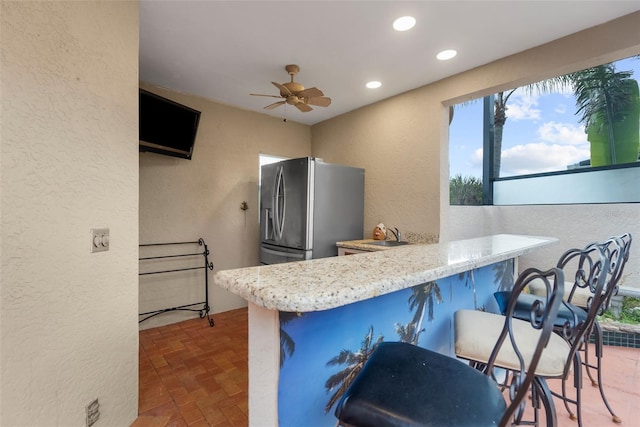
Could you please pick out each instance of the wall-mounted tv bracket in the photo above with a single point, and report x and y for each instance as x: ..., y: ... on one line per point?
x: 204, y: 310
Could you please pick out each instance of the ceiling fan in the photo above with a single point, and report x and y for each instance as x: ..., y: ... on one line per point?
x: 295, y: 94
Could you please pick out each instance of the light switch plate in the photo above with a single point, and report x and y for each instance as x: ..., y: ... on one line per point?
x: 99, y: 239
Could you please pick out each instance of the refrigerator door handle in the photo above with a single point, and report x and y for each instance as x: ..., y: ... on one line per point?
x: 267, y: 223
x: 279, y: 203
x: 276, y: 211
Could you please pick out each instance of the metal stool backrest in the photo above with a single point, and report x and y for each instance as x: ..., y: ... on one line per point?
x: 617, y: 251
x: 592, y: 271
x: 541, y: 317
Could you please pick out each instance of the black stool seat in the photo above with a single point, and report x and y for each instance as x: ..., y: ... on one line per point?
x: 405, y: 385
x: 525, y: 302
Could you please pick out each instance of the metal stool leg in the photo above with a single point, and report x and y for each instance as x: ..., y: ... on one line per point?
x: 542, y: 394
x: 577, y: 385
x: 599, y: 348
x: 588, y: 366
x: 566, y: 400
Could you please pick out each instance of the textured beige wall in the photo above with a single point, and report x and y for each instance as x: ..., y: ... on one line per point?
x: 187, y: 199
x: 396, y: 141
x: 402, y: 142
x: 69, y: 163
x: 574, y: 226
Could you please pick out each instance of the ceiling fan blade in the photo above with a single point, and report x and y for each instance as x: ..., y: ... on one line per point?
x: 274, y: 105
x: 312, y: 92
x: 303, y: 107
x: 320, y: 101
x: 271, y: 96
x: 283, y: 89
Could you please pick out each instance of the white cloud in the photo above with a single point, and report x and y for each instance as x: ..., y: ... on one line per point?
x: 540, y: 157
x: 562, y: 133
x: 476, y: 158
x: 522, y: 106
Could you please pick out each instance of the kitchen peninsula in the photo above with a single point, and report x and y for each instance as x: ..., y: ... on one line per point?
x: 312, y: 321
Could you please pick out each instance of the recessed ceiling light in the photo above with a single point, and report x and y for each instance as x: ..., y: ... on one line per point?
x: 404, y: 23
x: 446, y: 54
x: 374, y: 84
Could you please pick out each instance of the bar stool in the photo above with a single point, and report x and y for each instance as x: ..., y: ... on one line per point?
x: 405, y: 385
x: 472, y: 329
x: 579, y: 298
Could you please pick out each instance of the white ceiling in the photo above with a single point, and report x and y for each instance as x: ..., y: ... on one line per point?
x: 224, y: 50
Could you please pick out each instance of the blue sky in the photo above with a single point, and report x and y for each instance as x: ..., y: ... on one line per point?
x: 542, y: 133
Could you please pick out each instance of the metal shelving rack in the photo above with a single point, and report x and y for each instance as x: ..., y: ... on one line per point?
x: 204, y: 310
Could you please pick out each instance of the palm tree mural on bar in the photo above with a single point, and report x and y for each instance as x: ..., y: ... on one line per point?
x: 423, y: 296
x: 287, y: 344
x: 503, y: 275
x: 354, y: 361
x: 422, y: 300
x: 321, y: 352
x: 407, y: 333
x: 468, y: 278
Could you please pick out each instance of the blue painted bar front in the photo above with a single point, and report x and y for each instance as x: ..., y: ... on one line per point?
x: 322, y: 351
x: 312, y: 323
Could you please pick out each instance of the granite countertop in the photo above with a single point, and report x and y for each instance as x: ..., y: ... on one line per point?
x: 326, y: 283
x: 364, y: 245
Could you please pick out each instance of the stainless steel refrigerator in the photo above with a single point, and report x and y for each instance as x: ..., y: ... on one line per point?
x: 306, y: 206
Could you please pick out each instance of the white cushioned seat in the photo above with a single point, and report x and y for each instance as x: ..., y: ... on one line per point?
x: 476, y: 333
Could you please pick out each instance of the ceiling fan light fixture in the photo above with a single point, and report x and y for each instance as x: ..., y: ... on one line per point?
x: 446, y: 54
x: 374, y: 84
x: 404, y: 23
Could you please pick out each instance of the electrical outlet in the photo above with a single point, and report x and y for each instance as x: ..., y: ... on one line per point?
x: 99, y: 239
x: 93, y: 412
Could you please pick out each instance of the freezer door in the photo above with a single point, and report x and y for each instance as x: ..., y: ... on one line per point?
x: 338, y: 207
x: 285, y: 204
x: 275, y: 254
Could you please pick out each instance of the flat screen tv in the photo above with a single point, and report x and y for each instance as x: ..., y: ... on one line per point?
x: 166, y: 127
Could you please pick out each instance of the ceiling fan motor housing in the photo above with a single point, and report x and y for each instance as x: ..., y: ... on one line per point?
x: 293, y: 87
x: 293, y: 100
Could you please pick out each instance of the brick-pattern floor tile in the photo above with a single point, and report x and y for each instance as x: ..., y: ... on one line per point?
x: 193, y: 375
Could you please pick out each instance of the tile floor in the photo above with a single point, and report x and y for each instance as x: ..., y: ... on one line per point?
x: 194, y: 375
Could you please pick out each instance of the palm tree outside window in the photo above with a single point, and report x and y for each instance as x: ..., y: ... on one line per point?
x: 577, y: 121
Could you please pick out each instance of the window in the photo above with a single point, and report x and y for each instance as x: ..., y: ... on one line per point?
x: 555, y: 127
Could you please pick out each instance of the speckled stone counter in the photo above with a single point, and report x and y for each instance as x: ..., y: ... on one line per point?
x: 410, y: 237
x: 323, y: 306
x: 363, y: 245
x: 331, y: 282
